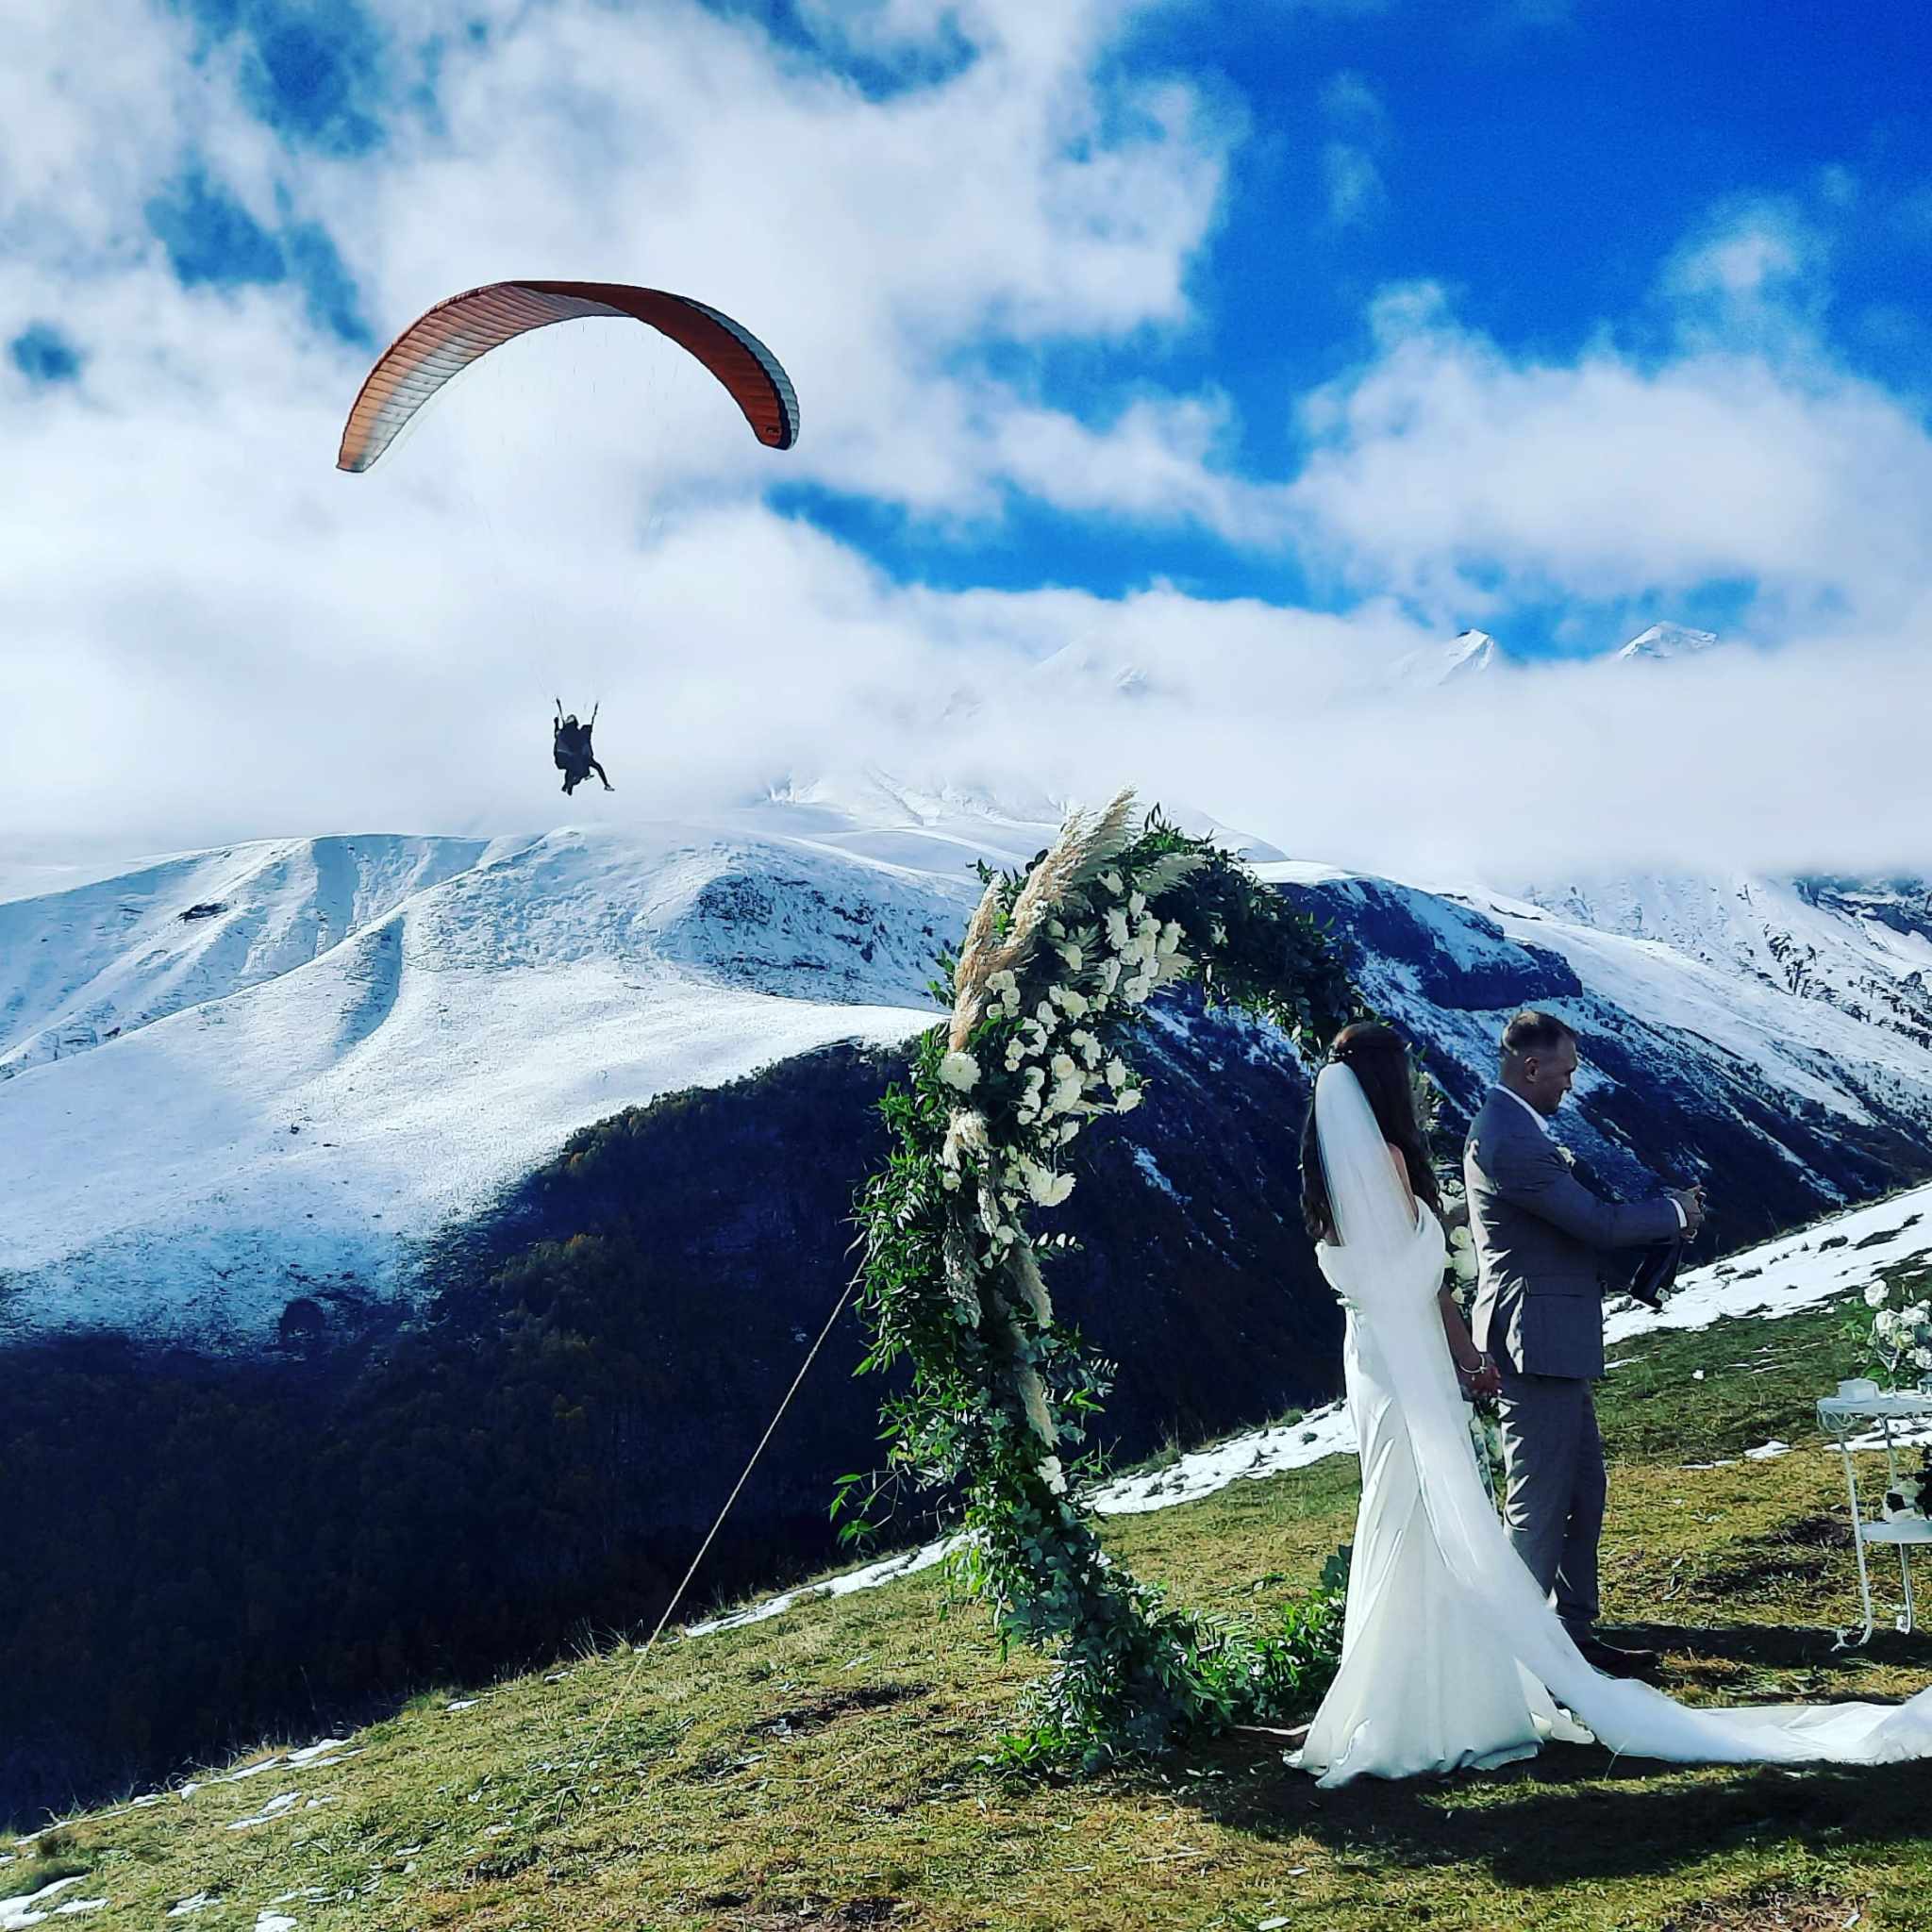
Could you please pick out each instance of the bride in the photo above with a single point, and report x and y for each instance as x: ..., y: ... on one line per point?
x: 1450, y: 1654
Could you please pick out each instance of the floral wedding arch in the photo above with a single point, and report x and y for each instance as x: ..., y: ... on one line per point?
x: 1055, y: 970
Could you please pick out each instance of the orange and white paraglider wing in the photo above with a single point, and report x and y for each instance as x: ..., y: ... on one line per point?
x: 455, y: 333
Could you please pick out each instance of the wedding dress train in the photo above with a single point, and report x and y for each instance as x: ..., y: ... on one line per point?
x: 1451, y: 1656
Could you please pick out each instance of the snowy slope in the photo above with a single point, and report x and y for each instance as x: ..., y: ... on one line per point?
x: 1813, y: 1050
x: 1864, y: 947
x: 105, y: 957
x: 300, y: 1133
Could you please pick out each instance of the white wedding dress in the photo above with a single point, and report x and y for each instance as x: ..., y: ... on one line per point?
x: 1450, y: 1654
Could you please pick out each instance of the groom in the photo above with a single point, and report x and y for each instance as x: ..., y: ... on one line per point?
x: 1540, y: 1236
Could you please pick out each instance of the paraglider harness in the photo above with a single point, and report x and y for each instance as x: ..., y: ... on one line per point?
x: 570, y: 749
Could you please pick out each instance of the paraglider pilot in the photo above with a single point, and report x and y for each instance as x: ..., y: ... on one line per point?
x: 570, y: 747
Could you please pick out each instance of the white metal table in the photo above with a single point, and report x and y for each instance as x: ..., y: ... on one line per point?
x: 1841, y: 1416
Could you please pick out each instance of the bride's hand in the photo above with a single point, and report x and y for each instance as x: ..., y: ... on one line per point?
x: 1483, y: 1380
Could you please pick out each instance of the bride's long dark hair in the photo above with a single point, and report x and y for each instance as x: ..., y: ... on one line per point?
x: 1378, y: 1058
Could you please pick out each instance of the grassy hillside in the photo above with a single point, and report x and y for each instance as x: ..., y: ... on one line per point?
x: 827, y: 1768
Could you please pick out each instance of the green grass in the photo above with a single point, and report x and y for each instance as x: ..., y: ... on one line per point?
x: 826, y: 1768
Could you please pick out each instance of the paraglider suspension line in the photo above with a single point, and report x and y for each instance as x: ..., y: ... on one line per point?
x: 771, y: 1428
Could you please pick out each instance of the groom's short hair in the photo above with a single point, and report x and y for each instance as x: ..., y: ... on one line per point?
x: 1533, y: 1032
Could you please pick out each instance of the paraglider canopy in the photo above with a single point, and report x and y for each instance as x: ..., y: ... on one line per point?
x: 446, y: 339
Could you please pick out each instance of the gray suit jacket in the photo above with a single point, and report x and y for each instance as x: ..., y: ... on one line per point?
x: 1539, y: 1232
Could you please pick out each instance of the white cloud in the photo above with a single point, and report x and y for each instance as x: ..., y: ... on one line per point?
x: 1446, y: 464
x: 211, y: 634
x: 1353, y: 184
x: 1350, y: 175
x: 1348, y: 100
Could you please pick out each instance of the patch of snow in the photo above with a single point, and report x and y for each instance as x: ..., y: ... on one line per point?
x: 869, y: 1577
x: 1150, y: 1168
x: 1259, y: 1453
x: 275, y: 1807
x: 310, y: 1753
x: 1782, y: 1276
x: 199, y: 1902
x: 33, y: 1908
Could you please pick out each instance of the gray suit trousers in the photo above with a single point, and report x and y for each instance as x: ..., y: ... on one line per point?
x: 1553, y: 1504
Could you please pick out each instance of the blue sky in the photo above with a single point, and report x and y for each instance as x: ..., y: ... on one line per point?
x: 1542, y: 162
x: 1270, y: 343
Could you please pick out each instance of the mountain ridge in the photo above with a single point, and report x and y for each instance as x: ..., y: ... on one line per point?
x: 189, y: 1173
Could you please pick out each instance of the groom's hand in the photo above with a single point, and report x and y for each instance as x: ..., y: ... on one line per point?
x: 1692, y: 1201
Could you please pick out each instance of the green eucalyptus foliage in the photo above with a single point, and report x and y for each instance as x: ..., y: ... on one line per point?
x: 1050, y: 983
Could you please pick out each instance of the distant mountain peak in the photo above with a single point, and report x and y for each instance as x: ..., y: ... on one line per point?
x: 1473, y: 651
x: 1469, y: 653
x: 1663, y: 643
x: 1089, y: 665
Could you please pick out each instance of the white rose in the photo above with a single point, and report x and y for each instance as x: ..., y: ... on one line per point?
x: 1109, y: 976
x: 1116, y: 1072
x: 1072, y: 956
x: 1874, y: 1295
x: 1128, y: 1101
x: 959, y: 1070
x: 1087, y: 1047
x: 1117, y: 934
x: 1052, y: 1475
x: 1068, y: 1130
x: 1072, y: 1003
x: 1137, y: 904
x: 1063, y: 1067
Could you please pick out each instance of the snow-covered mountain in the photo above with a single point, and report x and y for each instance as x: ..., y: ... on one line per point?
x: 304, y: 1059
x: 1470, y: 654
x: 1474, y: 654
x: 1862, y: 947
x: 86, y: 964
x: 273, y: 1073
x: 1695, y: 1067
x: 1663, y: 643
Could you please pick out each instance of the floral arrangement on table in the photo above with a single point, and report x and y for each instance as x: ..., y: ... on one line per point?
x: 1055, y: 970
x: 1900, y: 1342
